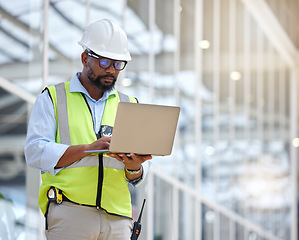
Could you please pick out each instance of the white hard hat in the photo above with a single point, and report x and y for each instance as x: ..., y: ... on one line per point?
x: 106, y: 39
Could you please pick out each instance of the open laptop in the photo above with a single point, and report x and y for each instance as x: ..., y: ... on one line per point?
x: 143, y: 129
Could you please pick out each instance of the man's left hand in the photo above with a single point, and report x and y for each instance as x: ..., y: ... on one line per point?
x: 131, y: 161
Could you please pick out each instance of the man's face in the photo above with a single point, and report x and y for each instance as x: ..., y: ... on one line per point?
x: 103, y: 81
x: 102, y: 78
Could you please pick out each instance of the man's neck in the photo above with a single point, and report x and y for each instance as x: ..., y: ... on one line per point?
x: 93, y: 91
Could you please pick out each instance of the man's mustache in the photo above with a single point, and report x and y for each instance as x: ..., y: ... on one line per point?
x: 106, y: 76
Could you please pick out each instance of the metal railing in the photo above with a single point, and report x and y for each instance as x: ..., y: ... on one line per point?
x: 176, y: 186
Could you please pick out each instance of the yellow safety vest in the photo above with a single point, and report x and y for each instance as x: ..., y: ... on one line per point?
x: 94, y: 180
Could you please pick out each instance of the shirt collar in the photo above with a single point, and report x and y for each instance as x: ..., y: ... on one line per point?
x: 76, y: 86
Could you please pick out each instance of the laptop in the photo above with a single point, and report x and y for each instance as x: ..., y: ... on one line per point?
x: 143, y: 129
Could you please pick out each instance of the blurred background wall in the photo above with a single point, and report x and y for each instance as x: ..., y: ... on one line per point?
x: 232, y: 67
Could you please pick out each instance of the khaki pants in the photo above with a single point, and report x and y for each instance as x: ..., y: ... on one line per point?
x: 72, y: 221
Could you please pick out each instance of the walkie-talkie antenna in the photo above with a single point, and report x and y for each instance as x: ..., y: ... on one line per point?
x: 140, y: 214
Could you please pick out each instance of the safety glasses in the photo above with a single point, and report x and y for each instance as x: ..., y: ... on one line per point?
x: 106, y: 62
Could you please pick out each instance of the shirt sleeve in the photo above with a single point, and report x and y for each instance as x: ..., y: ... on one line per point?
x: 41, y: 150
x: 136, y: 182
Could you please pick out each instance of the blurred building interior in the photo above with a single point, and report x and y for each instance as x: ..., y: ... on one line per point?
x: 233, y: 68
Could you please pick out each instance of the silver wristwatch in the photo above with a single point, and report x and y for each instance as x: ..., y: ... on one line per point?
x: 133, y: 172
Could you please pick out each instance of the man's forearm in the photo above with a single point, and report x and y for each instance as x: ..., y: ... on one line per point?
x: 71, y: 155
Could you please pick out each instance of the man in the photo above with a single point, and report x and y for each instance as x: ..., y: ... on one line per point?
x: 85, y: 196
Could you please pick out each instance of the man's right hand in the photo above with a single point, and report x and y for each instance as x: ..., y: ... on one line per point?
x: 100, y: 144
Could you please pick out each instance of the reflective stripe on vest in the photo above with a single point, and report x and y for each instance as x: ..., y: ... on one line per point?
x: 63, y: 121
x: 92, y: 161
x: 79, y: 181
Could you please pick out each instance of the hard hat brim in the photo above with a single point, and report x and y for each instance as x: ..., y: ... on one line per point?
x: 122, y: 57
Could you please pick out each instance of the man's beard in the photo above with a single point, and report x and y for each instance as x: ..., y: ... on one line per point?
x: 97, y: 81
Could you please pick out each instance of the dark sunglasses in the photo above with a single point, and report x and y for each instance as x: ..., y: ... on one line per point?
x: 106, y: 62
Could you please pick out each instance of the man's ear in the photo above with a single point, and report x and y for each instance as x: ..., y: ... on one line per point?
x: 84, y: 58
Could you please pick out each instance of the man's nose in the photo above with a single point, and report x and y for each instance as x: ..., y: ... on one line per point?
x: 111, y: 69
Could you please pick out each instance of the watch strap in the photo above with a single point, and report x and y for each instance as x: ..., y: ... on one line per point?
x: 133, y: 172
